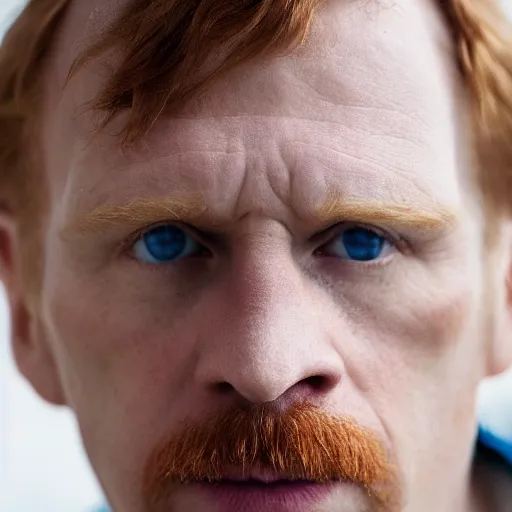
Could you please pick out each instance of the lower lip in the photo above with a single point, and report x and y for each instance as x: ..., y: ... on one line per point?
x: 260, y: 497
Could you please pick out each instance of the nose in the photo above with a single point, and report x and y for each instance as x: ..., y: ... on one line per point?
x: 267, y: 335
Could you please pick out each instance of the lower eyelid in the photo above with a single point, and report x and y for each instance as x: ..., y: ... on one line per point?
x: 351, y: 268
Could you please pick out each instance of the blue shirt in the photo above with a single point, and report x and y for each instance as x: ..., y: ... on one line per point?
x: 501, y: 447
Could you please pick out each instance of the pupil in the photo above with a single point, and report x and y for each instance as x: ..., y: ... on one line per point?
x: 165, y: 242
x: 362, y: 245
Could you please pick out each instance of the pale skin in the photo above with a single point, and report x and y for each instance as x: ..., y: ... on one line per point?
x: 373, y: 113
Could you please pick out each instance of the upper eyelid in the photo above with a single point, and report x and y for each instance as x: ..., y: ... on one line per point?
x: 199, y: 236
x: 211, y: 238
x: 138, y: 234
x: 335, y: 229
x: 399, y: 243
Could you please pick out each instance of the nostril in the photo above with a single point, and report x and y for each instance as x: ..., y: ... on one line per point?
x: 318, y: 383
x: 224, y: 388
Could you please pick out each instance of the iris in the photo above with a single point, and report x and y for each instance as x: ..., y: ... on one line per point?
x: 360, y: 244
x: 164, y: 244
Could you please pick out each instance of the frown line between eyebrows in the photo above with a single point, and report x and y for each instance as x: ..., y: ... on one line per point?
x: 192, y: 210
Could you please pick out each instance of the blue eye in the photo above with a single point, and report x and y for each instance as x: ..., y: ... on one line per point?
x: 164, y: 244
x: 359, y: 244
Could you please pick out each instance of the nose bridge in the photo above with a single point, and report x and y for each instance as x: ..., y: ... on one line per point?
x: 263, y: 284
x: 270, y: 340
x: 269, y: 320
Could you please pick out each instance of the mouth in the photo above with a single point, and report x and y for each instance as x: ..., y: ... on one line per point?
x: 264, y: 492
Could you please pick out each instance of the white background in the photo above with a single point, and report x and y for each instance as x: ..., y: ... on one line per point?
x: 43, y: 467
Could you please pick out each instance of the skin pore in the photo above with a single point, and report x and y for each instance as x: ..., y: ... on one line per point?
x: 366, y: 125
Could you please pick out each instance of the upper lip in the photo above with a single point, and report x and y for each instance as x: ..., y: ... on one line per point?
x: 266, y: 476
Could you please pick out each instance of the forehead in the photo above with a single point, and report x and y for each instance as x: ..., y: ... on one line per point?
x: 373, y: 77
x: 349, y: 37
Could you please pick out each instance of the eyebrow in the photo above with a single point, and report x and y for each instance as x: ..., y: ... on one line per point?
x: 139, y: 212
x: 193, y: 210
x: 434, y: 217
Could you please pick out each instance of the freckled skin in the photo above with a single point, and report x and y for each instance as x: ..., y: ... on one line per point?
x: 372, y: 108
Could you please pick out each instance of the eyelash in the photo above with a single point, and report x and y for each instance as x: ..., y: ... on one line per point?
x: 128, y: 244
x: 393, y: 238
x: 398, y: 242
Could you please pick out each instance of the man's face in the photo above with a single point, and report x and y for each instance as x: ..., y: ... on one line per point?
x: 305, y: 231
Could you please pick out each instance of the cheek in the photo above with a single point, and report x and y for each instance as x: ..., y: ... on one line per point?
x: 419, y: 334
x: 432, y: 319
x: 122, y: 363
x: 433, y: 336
x: 116, y: 353
x: 423, y: 315
x: 417, y: 348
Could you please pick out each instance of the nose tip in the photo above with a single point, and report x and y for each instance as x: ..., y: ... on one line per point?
x: 256, y: 392
x: 270, y: 339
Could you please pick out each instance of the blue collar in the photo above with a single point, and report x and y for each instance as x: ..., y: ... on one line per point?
x: 496, y: 444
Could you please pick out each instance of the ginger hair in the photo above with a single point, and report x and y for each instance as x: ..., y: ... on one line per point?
x: 162, y: 43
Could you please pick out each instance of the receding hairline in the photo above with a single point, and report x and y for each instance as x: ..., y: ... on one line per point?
x: 105, y: 63
x: 96, y: 53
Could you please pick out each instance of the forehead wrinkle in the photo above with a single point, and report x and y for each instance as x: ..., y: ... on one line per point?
x: 224, y: 97
x: 229, y: 105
